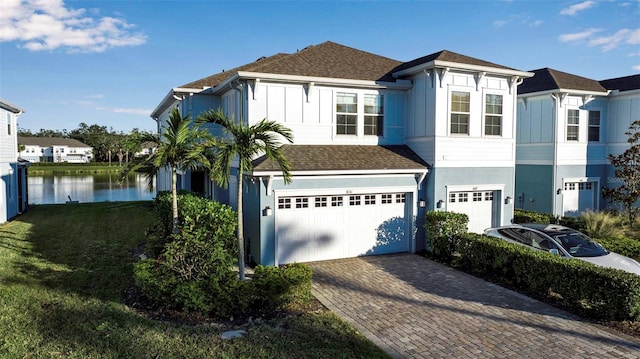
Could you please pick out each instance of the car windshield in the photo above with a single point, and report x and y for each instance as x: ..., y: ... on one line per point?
x: 579, y: 245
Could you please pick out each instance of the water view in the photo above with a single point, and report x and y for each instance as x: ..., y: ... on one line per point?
x: 51, y: 189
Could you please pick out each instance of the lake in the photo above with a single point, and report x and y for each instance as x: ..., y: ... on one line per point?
x: 51, y: 189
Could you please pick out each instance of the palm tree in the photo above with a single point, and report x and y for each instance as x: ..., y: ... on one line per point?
x: 181, y: 146
x: 245, y: 143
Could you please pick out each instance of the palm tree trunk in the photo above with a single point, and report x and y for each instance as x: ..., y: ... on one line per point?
x: 174, y: 193
x: 240, y: 227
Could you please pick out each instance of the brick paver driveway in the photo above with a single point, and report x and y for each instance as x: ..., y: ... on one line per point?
x: 415, y: 308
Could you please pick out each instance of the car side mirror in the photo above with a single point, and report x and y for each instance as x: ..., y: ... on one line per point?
x: 554, y: 251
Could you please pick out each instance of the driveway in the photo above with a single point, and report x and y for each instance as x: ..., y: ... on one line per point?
x: 413, y: 307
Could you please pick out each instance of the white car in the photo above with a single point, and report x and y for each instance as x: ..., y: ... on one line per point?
x: 564, y: 241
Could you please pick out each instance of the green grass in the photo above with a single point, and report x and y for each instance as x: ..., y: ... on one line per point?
x: 40, y: 169
x: 63, y: 272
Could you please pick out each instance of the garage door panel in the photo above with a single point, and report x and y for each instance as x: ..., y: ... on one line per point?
x: 478, y: 205
x: 340, y: 227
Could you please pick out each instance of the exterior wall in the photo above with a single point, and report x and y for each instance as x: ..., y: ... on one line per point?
x: 8, y: 165
x: 33, y: 153
x: 261, y: 231
x: 534, y: 188
x: 311, y: 114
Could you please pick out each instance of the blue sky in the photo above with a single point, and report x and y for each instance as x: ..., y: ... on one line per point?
x: 111, y: 62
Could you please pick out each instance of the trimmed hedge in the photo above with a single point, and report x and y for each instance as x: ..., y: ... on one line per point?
x: 584, y: 288
x: 277, y: 288
x: 443, y: 224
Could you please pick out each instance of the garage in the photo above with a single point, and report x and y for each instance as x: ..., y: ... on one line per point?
x: 332, y: 226
x: 478, y: 205
x: 578, y: 197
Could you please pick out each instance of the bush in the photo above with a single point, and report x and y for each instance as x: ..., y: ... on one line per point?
x: 601, y: 225
x: 622, y: 245
x: 523, y: 216
x: 584, y: 288
x: 441, y: 229
x: 276, y: 288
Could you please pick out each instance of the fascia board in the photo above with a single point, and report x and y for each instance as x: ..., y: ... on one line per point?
x: 341, y: 172
x: 463, y: 67
x: 169, y: 99
x: 402, y: 85
x: 10, y: 107
x: 567, y: 91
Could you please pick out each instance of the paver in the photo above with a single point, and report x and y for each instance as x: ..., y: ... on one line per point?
x: 413, y: 307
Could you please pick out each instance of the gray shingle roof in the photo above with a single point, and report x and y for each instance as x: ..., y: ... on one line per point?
x: 448, y: 56
x: 626, y: 83
x: 327, y: 59
x: 549, y: 79
x: 50, y: 141
x: 345, y: 157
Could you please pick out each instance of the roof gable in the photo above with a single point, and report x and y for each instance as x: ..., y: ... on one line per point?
x: 546, y: 79
x: 449, y: 56
x: 345, y: 157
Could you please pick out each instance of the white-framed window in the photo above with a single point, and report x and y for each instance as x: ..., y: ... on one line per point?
x: 452, y: 198
x: 336, y: 201
x: 401, y: 197
x: 477, y: 196
x: 320, y: 202
x: 573, y: 125
x: 463, y: 197
x: 8, y: 125
x: 460, y: 111
x: 302, y: 202
x: 284, y: 203
x: 354, y: 200
x: 373, y: 115
x: 346, y: 113
x: 493, y: 115
x: 386, y: 199
x: 594, y: 126
x: 488, y: 196
x: 369, y: 199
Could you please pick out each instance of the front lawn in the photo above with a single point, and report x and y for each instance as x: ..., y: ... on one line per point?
x: 64, y: 270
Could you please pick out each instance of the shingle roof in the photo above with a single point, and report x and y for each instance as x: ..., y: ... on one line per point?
x: 50, y: 141
x: 626, y: 83
x: 327, y: 59
x: 549, y: 79
x: 449, y: 56
x: 345, y: 157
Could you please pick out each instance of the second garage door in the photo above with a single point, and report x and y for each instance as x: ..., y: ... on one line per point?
x: 313, y: 228
x: 478, y: 205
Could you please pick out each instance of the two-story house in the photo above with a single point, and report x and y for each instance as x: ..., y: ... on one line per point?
x: 377, y: 142
x: 13, y: 173
x: 54, y: 149
x: 567, y: 125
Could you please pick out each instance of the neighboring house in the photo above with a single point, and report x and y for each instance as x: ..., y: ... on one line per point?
x: 567, y: 125
x: 13, y: 173
x: 54, y: 149
x: 146, y: 149
x: 377, y: 142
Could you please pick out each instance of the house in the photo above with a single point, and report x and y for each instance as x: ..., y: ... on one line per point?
x: 54, y: 149
x: 146, y: 148
x: 13, y: 173
x: 377, y: 142
x: 567, y: 125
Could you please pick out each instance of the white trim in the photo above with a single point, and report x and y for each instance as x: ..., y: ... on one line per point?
x: 462, y: 67
x: 474, y: 188
x: 339, y: 173
x: 340, y: 191
x: 567, y: 91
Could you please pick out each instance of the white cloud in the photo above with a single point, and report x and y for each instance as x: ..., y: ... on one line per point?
x: 39, y: 25
x: 536, y: 23
x: 622, y: 36
x: 500, y: 23
x: 637, y: 67
x: 131, y: 111
x: 573, y: 9
x: 577, y: 36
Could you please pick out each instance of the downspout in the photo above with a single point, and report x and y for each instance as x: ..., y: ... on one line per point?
x: 557, y: 102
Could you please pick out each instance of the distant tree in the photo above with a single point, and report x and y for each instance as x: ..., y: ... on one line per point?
x: 23, y: 132
x: 627, y: 171
x: 245, y: 143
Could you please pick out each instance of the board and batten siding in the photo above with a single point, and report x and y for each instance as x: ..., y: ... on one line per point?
x: 311, y: 114
x: 428, y: 121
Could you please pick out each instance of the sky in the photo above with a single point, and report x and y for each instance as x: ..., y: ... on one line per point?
x: 111, y: 62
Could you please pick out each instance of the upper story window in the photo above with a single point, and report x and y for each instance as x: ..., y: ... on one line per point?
x: 8, y: 123
x: 373, y: 115
x: 346, y: 113
x: 493, y: 115
x: 594, y: 126
x: 460, y: 111
x: 573, y: 125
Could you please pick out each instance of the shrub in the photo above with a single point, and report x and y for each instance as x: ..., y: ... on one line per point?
x: 276, y: 288
x: 601, y: 224
x: 622, y: 245
x: 523, y: 216
x: 441, y: 229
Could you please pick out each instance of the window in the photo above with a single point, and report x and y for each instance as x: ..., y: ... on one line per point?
x: 336, y: 201
x: 302, y: 202
x: 284, y: 203
x: 573, y: 125
x: 594, y: 126
x: 373, y: 115
x: 477, y: 196
x: 354, y: 200
x: 369, y: 199
x: 321, y: 202
x: 460, y: 112
x: 400, y: 197
x: 493, y: 115
x: 386, y: 199
x: 452, y: 198
x: 488, y: 196
x: 346, y: 113
x: 463, y: 197
x: 8, y: 125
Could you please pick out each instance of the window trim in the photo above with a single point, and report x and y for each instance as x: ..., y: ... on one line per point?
x: 486, y: 115
x: 572, y: 125
x: 452, y: 112
x: 379, y: 116
x: 346, y: 114
x: 590, y: 126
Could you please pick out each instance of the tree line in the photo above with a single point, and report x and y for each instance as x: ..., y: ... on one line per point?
x: 108, y: 145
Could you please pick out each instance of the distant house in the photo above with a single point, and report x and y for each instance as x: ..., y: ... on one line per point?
x: 54, y: 149
x: 13, y: 173
x: 567, y: 125
x: 147, y: 149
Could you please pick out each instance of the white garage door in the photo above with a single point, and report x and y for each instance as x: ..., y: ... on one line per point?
x: 313, y: 228
x: 578, y: 197
x: 478, y: 205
